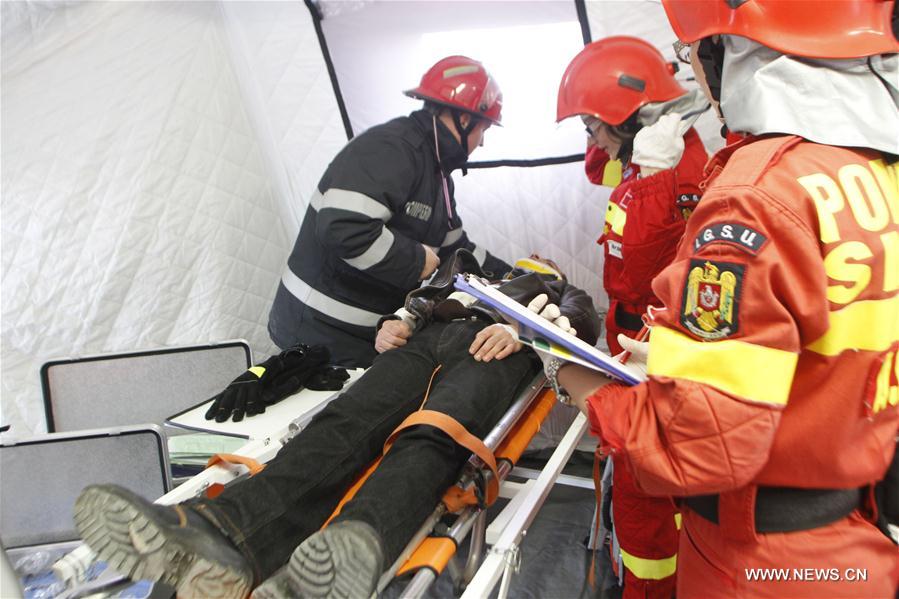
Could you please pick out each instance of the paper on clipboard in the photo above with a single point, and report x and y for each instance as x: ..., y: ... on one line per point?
x: 544, y: 336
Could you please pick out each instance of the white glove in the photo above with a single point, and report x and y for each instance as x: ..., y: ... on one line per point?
x: 639, y: 351
x: 551, y: 313
x: 661, y: 144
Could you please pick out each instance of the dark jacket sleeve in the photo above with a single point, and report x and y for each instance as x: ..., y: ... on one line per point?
x: 573, y: 303
x: 494, y: 266
x: 577, y: 305
x: 365, y: 186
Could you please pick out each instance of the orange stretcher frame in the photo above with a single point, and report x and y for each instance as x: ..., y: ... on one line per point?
x: 496, y: 456
x: 506, y: 442
x: 435, y: 552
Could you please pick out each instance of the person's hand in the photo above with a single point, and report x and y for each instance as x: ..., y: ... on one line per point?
x: 660, y: 146
x: 432, y: 261
x: 638, y: 350
x: 496, y: 341
x: 391, y: 335
x: 551, y: 313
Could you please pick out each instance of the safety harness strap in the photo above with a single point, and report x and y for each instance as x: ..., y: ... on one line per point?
x: 775, y: 509
x: 215, y: 489
x: 455, y: 498
x: 232, y: 458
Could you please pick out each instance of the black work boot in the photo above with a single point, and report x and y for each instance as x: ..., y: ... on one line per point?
x: 345, y: 561
x: 174, y: 544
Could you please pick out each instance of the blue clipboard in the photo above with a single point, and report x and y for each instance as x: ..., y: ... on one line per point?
x: 543, y: 335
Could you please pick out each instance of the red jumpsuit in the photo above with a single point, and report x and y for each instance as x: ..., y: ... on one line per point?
x: 644, y: 223
x: 774, y: 364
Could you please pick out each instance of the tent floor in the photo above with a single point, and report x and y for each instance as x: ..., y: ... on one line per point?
x: 554, y: 558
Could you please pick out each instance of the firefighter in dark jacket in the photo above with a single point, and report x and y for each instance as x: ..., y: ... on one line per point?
x: 383, y: 215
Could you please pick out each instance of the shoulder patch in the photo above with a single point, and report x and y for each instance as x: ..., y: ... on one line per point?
x: 735, y: 234
x: 711, y: 304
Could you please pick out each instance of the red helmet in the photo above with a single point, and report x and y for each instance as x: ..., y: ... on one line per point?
x: 841, y: 29
x: 462, y: 83
x: 612, y: 78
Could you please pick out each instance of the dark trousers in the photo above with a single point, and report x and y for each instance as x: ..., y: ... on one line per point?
x: 268, y: 515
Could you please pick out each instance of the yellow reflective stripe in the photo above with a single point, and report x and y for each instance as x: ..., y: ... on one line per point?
x: 677, y: 520
x: 616, y: 217
x: 611, y: 173
x: 258, y: 370
x: 871, y: 325
x: 649, y: 569
x: 749, y: 371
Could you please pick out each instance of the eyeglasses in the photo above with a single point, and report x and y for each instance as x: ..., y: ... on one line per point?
x: 592, y: 127
x: 682, y: 51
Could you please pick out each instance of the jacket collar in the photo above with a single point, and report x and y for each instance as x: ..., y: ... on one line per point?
x: 452, y: 155
x: 716, y: 163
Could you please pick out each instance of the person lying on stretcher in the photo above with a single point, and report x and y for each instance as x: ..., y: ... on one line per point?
x: 442, y: 353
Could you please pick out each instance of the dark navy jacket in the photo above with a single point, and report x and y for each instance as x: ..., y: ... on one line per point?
x: 359, y: 249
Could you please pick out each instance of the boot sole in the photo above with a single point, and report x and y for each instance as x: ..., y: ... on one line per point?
x: 135, y: 543
x: 277, y: 586
x: 334, y: 563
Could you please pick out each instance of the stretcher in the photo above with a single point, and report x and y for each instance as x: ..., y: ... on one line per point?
x: 493, y: 555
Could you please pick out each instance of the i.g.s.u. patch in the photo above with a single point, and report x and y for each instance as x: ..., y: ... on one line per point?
x: 735, y: 234
x: 711, y: 305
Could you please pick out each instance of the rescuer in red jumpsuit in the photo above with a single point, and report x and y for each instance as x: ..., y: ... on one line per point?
x: 772, y: 401
x: 627, y: 96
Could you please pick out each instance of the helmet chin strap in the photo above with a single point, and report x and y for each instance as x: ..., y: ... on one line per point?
x: 626, y: 132
x: 711, y: 61
x: 463, y: 132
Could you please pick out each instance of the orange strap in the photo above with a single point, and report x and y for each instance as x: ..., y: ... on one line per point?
x: 215, y: 489
x: 231, y: 458
x: 455, y: 499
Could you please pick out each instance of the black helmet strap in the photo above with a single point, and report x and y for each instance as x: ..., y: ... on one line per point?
x: 626, y: 132
x: 463, y: 131
x: 711, y: 61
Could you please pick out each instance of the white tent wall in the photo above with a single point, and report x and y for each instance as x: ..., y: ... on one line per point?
x: 157, y: 158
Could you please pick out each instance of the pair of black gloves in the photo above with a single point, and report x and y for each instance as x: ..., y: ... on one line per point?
x: 278, y: 377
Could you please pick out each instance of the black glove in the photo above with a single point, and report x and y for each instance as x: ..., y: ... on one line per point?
x: 267, y: 383
x: 329, y: 378
x: 298, y: 364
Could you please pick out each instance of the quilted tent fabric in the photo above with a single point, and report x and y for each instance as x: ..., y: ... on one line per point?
x: 150, y: 177
x: 156, y: 159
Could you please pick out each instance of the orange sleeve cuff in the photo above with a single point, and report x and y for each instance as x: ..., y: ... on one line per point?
x: 609, y: 413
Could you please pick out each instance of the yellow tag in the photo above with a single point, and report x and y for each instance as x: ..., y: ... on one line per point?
x: 258, y: 371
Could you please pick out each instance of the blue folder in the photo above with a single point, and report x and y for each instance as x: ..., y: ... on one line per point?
x: 544, y: 336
